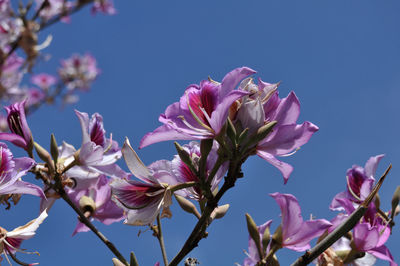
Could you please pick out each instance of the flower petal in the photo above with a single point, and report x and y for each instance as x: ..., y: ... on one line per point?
x: 285, y: 168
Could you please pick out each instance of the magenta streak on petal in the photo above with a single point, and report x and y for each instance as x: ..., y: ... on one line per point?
x: 188, y: 175
x: 97, y: 134
x: 202, y: 101
x: 15, y: 243
x: 135, y: 196
x: 356, y: 179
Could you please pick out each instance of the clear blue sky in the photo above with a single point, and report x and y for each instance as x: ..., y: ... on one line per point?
x: 342, y: 58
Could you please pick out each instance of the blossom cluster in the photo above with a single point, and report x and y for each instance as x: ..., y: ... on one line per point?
x: 226, y: 123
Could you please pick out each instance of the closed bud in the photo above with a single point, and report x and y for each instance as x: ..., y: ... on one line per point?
x: 54, y: 148
x: 185, y: 157
x: 243, y: 135
x: 395, y: 199
x: 133, y: 261
x: 231, y: 131
x: 117, y: 262
x: 261, y: 134
x: 45, y: 156
x: 253, y: 231
x: 87, y: 204
x: 187, y: 206
x: 277, y: 237
x: 265, y: 238
x: 219, y: 212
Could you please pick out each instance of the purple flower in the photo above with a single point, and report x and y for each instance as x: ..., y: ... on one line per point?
x: 184, y: 174
x: 103, y: 6
x: 96, y: 156
x: 103, y: 209
x: 11, y: 171
x: 296, y: 233
x: 263, y: 105
x: 360, y: 182
x: 144, y: 200
x: 201, y: 111
x: 370, y: 233
x: 252, y: 256
x: 20, y: 135
x: 44, y: 80
x: 11, y: 241
x: 54, y: 8
x: 78, y: 72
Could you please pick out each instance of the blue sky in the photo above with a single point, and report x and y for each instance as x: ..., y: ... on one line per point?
x: 342, y: 59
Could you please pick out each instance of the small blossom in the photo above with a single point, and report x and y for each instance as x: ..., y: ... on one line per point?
x: 78, y: 72
x: 296, y: 233
x: 11, y: 171
x: 103, y: 209
x: 20, y: 135
x: 360, y: 182
x: 201, y: 112
x: 11, y: 74
x: 54, y: 8
x: 103, y: 6
x: 144, y: 200
x: 10, y: 242
x: 43, y: 80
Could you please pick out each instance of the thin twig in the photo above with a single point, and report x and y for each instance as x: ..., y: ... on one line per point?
x: 160, y: 238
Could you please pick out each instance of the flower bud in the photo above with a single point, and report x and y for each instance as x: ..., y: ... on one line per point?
x: 185, y: 157
x: 261, y: 133
x: 395, y: 200
x: 266, y: 238
x: 54, y: 148
x: 187, y: 206
x: 45, y: 156
x: 87, y: 204
x: 117, y: 262
x: 133, y: 261
x: 219, y: 212
x: 253, y: 231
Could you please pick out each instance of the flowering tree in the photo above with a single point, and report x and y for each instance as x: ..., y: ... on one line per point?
x: 224, y: 123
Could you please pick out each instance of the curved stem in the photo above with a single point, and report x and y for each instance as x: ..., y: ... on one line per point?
x: 161, y: 241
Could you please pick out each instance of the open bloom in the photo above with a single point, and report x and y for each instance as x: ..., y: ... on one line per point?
x: 97, y: 154
x: 360, y: 182
x: 44, y: 80
x: 103, y: 6
x: 96, y: 201
x: 184, y: 174
x: 78, y: 72
x: 201, y: 112
x: 144, y: 200
x: 20, y: 135
x: 10, y: 242
x: 263, y: 105
x: 11, y: 171
x: 296, y: 233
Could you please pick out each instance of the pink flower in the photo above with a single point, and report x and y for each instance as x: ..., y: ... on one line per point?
x: 103, y: 6
x: 296, y: 233
x: 10, y: 242
x: 201, y: 112
x: 78, y: 72
x: 103, y: 209
x: 263, y: 105
x: 144, y: 200
x: 44, y: 80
